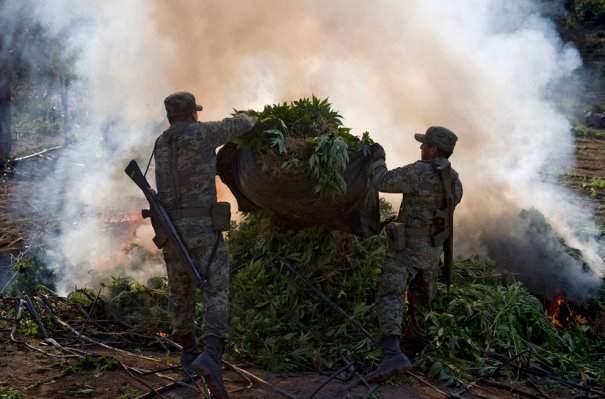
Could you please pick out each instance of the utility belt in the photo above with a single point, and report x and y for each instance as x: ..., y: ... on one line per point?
x: 220, y: 213
x: 397, y: 232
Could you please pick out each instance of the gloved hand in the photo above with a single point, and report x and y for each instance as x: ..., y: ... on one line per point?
x: 377, y: 151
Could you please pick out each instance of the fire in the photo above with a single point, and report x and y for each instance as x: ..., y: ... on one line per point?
x: 580, y: 319
x: 122, y: 218
x: 553, y: 311
x: 161, y: 334
x: 560, y: 316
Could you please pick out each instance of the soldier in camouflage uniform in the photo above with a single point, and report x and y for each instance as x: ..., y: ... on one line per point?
x: 413, y: 266
x: 185, y: 162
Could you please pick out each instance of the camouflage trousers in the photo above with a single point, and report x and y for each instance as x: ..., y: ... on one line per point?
x: 413, y: 271
x: 199, y: 237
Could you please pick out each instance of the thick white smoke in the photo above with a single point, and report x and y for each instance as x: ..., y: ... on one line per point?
x: 490, y: 70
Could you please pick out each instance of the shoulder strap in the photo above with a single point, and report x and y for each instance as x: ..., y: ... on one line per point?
x: 152, y: 154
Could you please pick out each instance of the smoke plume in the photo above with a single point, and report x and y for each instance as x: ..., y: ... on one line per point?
x: 491, y: 71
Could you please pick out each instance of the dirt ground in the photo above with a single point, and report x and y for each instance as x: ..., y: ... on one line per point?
x: 148, y: 375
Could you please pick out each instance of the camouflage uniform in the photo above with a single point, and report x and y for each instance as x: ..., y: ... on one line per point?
x: 413, y: 270
x: 185, y: 177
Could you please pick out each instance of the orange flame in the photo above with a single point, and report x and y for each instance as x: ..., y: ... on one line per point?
x: 122, y: 218
x: 554, y: 310
x: 161, y: 334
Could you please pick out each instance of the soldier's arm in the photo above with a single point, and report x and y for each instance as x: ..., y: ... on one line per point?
x: 220, y: 132
x: 398, y: 180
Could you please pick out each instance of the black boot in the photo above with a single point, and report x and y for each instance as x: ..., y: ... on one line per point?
x: 189, y: 353
x: 208, y: 364
x: 394, y: 361
x: 413, y: 345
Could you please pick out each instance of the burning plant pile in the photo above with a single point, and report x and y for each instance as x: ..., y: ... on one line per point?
x: 303, y: 297
x: 489, y: 322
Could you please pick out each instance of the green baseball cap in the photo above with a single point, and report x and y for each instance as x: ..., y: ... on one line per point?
x: 181, y: 103
x: 443, y: 138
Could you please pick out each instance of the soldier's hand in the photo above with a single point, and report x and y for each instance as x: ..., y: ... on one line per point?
x: 244, y: 114
x: 253, y: 119
x: 377, y: 151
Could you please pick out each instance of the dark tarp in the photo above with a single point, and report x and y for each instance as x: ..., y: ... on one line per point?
x: 292, y: 198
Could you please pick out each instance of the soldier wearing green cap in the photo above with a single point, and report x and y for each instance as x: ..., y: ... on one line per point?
x: 185, y: 173
x: 415, y: 243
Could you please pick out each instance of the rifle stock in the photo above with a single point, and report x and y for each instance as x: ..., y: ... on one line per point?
x: 163, y: 226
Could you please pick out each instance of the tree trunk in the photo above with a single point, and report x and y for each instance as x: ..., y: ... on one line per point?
x: 65, y: 105
x: 5, y: 101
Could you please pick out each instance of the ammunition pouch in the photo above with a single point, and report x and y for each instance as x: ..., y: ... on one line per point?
x: 395, y: 232
x: 221, y: 216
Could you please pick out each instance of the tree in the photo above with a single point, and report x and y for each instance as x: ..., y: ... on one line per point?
x: 5, y: 97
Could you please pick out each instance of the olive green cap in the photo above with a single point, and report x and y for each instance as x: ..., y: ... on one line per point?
x: 443, y: 138
x: 181, y: 103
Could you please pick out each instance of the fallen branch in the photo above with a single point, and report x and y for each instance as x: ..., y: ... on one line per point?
x: 508, y: 388
x: 260, y: 380
x: 17, y: 321
x: 39, y: 153
x: 85, y: 338
x: 142, y: 381
x: 428, y: 384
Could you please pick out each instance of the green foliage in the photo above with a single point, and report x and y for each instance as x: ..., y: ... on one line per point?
x: 97, y: 363
x: 598, y: 108
x: 308, y: 137
x: 486, y: 314
x: 30, y: 273
x: 137, y: 305
x: 128, y: 392
x: 582, y: 131
x: 280, y: 323
x: 29, y: 328
x: 590, y: 11
x: 10, y: 393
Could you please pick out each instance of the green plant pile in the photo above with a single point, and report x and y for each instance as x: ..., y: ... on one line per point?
x: 282, y: 325
x: 487, y: 313
x: 144, y: 308
x: 305, y: 137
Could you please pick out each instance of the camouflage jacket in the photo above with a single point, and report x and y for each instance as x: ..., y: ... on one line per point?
x: 421, y: 187
x: 185, y: 160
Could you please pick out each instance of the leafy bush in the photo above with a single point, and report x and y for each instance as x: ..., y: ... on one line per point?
x: 280, y: 323
x: 31, y: 272
x: 10, y: 393
x: 486, y: 314
x: 143, y: 307
x: 590, y: 11
x: 582, y: 131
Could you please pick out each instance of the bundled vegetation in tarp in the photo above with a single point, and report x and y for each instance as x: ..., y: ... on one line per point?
x: 303, y: 165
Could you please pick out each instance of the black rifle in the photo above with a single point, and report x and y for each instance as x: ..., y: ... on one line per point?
x: 446, y: 213
x: 163, y: 226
